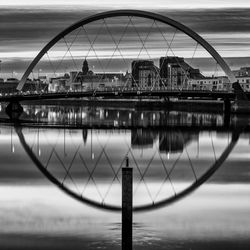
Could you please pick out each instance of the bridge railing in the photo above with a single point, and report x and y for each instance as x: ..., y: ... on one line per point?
x: 118, y: 90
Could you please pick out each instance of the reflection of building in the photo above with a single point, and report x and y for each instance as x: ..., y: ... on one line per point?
x: 144, y: 74
x: 173, y: 142
x: 175, y: 72
x: 141, y: 138
x: 42, y: 79
x: 84, y: 135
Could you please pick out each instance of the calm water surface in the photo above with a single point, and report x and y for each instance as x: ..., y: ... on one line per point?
x: 61, y: 175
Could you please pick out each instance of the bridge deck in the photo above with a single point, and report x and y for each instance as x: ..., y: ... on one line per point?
x: 124, y: 94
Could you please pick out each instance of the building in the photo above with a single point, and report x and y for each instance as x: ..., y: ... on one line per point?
x: 243, y: 71
x: 210, y: 83
x: 10, y: 86
x: 145, y: 74
x: 244, y: 81
x: 175, y: 72
x: 243, y: 77
x: 60, y: 83
x: 220, y: 83
x: 80, y: 81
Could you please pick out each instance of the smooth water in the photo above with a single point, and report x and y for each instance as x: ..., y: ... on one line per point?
x: 61, y: 178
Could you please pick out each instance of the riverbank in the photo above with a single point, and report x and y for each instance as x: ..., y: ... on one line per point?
x: 178, y: 105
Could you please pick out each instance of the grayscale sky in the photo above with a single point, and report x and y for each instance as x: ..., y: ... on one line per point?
x: 26, y: 26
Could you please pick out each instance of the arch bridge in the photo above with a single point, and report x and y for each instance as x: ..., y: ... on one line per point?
x: 123, y: 40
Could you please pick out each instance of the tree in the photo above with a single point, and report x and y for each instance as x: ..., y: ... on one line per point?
x: 85, y: 67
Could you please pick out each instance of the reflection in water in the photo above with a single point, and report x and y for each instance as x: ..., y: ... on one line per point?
x: 163, y: 171
x: 168, y: 163
x: 164, y: 165
x: 115, y: 117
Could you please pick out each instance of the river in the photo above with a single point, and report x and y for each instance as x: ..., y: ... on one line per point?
x: 60, y: 181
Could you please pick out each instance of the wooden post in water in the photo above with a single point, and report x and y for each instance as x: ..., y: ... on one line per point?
x: 127, y: 206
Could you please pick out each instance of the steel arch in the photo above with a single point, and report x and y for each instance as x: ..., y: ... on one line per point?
x: 137, y: 13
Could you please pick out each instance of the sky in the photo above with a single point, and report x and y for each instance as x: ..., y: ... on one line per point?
x: 26, y: 26
x: 192, y: 4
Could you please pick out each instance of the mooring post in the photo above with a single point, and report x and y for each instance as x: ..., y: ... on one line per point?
x: 127, y: 206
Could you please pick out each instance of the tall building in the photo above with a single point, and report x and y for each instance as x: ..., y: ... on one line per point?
x: 144, y: 74
x: 85, y: 67
x: 175, y: 72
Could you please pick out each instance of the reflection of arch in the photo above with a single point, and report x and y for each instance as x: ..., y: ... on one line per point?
x: 137, y: 13
x: 159, y: 204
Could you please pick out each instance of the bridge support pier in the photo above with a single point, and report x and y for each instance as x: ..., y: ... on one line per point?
x: 242, y: 103
x: 14, y: 110
x: 127, y: 207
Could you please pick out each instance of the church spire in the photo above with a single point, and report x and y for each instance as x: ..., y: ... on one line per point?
x: 85, y: 67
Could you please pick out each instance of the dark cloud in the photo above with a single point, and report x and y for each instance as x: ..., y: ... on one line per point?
x: 206, y: 65
x: 30, y: 29
x: 40, y: 25
x: 220, y: 20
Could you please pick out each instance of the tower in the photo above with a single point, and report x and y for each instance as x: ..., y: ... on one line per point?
x: 85, y: 67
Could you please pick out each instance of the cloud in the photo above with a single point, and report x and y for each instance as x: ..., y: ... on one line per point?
x: 41, y: 25
x: 25, y: 31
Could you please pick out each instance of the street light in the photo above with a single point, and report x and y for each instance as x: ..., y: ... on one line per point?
x: 38, y: 71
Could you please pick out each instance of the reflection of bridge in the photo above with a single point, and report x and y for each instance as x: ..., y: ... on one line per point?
x: 74, y: 187
x: 67, y: 176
